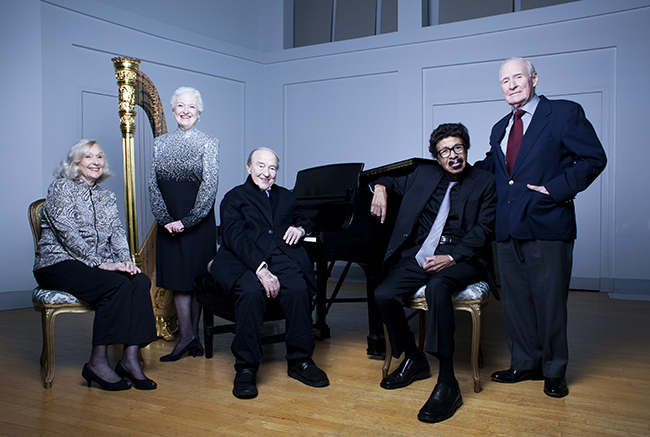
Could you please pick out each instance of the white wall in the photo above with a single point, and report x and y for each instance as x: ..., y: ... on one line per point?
x: 377, y: 100
x: 20, y: 145
x: 373, y: 99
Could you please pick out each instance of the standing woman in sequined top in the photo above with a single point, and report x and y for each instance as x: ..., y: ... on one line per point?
x: 182, y: 189
x: 83, y: 251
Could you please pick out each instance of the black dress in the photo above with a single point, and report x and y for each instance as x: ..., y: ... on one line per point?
x: 183, y: 186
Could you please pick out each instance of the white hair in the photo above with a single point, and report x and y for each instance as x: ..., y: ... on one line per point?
x: 185, y: 90
x: 528, y: 66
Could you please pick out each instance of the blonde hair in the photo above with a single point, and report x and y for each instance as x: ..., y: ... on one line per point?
x: 69, y: 168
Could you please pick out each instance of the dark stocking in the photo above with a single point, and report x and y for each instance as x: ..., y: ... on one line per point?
x: 99, y: 364
x: 188, y: 311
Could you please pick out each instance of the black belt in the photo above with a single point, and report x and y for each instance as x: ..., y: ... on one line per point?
x: 445, y: 239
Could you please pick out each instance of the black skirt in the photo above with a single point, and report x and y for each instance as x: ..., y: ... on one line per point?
x: 182, y: 257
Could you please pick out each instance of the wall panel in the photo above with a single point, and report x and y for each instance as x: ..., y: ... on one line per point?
x: 339, y: 120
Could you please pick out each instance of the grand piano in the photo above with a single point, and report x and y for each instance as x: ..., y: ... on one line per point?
x: 337, y: 199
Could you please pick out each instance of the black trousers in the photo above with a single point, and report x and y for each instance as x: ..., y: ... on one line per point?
x: 123, y: 311
x: 405, y: 279
x: 251, y: 307
x: 535, y: 276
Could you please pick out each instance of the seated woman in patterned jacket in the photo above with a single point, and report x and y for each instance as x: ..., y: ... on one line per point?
x: 83, y: 251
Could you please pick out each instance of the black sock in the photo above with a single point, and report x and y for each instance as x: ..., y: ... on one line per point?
x: 414, y: 353
x: 446, y: 372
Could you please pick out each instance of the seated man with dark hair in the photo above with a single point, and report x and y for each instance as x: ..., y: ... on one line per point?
x: 261, y: 258
x: 441, y: 239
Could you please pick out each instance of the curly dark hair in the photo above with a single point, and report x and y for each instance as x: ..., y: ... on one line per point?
x: 448, y: 130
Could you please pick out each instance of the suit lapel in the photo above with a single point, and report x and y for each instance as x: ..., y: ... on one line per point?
x: 424, y: 191
x: 500, y: 131
x: 260, y: 200
x: 466, y: 188
x: 274, y: 200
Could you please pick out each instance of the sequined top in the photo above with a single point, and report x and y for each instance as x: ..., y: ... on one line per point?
x: 185, y: 155
x: 80, y: 222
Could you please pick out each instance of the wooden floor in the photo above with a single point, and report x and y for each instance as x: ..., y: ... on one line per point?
x: 608, y: 379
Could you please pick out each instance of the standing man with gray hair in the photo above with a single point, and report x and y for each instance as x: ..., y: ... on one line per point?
x: 543, y: 153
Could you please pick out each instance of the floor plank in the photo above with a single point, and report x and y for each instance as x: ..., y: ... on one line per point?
x: 609, y: 344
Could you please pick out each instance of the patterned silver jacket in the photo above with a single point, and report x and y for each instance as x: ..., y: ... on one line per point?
x: 80, y: 223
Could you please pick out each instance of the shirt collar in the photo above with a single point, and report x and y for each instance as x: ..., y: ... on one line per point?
x: 530, y: 106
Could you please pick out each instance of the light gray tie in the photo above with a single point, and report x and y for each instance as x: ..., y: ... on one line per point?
x: 431, y: 243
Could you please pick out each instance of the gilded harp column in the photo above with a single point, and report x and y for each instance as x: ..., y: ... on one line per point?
x: 126, y: 75
x: 135, y: 88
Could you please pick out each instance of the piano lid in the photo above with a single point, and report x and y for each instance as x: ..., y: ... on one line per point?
x: 332, y: 181
x: 395, y: 169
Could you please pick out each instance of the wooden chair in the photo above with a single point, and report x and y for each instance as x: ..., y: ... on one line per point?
x: 50, y: 303
x: 217, y: 303
x: 472, y: 300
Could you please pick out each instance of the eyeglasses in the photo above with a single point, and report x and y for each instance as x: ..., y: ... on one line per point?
x: 446, y: 151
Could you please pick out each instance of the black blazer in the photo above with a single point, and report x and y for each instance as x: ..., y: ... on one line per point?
x: 250, y: 223
x: 560, y: 151
x: 476, y: 213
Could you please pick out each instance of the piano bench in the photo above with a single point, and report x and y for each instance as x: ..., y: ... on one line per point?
x: 472, y: 299
x: 216, y: 302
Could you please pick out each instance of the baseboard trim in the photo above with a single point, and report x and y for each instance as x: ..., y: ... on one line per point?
x: 14, y: 300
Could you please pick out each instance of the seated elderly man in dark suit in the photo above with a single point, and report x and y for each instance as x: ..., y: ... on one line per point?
x: 441, y: 239
x: 261, y: 258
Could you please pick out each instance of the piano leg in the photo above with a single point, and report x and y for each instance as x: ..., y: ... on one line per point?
x: 376, y: 339
x: 320, y: 327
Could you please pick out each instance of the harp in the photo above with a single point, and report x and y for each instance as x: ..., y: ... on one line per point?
x: 135, y: 88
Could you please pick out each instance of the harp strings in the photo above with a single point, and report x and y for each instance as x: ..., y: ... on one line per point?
x: 144, y: 156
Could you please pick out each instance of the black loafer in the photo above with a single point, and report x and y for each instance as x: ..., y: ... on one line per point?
x: 442, y: 404
x: 512, y: 375
x: 245, y: 386
x: 556, y: 387
x: 407, y: 372
x: 308, y: 373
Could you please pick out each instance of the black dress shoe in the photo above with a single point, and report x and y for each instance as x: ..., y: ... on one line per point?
x: 140, y: 384
x: 193, y: 347
x: 89, y: 376
x: 308, y: 373
x: 556, y: 387
x: 407, y: 372
x: 512, y: 375
x: 245, y: 386
x: 442, y: 404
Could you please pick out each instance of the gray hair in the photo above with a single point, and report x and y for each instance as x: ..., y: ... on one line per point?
x: 69, y: 168
x: 528, y: 66
x: 187, y: 90
x: 249, y: 161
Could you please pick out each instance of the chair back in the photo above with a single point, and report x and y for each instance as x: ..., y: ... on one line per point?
x: 34, y: 215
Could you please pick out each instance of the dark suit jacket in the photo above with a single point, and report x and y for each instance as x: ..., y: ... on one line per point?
x: 560, y: 151
x: 251, y: 223
x: 476, y: 213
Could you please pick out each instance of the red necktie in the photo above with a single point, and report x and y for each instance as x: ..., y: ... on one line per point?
x: 514, y: 140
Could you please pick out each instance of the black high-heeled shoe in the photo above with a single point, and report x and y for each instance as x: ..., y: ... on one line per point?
x: 193, y: 346
x: 89, y: 376
x: 140, y: 384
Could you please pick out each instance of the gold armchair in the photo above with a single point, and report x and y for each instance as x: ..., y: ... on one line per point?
x: 50, y: 302
x: 472, y: 300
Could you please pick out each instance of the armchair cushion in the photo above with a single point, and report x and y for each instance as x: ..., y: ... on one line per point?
x: 477, y: 291
x: 41, y: 296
